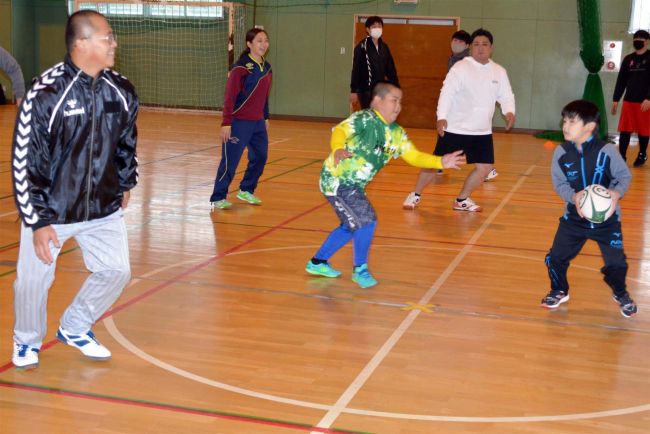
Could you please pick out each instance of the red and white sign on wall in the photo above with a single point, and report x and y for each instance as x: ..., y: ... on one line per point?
x: 612, y: 53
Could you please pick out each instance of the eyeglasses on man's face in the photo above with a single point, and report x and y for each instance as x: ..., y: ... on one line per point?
x: 111, y: 37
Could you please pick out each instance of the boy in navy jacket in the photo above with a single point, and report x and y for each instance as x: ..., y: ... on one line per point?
x: 577, y: 163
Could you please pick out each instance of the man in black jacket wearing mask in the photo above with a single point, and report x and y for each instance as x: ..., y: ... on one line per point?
x: 371, y: 63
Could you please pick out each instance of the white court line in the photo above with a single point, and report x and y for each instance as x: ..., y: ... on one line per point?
x: 9, y: 213
x: 367, y: 371
x: 276, y: 141
x: 117, y: 335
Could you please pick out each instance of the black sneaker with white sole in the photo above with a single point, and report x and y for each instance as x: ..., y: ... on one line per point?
x: 626, y: 304
x: 640, y: 160
x: 555, y: 298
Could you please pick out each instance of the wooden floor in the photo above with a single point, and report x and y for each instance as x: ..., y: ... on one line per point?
x: 222, y: 331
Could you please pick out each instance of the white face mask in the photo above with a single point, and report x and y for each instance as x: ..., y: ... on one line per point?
x: 457, y: 47
x: 375, y: 32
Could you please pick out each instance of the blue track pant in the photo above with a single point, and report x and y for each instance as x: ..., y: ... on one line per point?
x: 244, y: 134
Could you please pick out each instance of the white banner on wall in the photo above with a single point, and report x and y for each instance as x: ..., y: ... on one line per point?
x: 612, y: 52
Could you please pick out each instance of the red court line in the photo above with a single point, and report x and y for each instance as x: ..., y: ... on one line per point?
x: 172, y: 408
x: 187, y: 272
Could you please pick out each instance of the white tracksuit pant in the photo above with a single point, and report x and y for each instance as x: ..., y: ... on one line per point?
x: 105, y: 250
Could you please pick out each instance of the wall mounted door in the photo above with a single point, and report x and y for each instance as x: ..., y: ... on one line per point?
x: 420, y: 48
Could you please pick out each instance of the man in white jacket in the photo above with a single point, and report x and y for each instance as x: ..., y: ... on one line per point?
x: 465, y: 109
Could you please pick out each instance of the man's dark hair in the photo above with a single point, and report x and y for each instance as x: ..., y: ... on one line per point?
x: 641, y: 34
x: 584, y: 110
x: 482, y: 32
x: 462, y: 35
x: 77, y: 25
x: 381, y: 89
x: 372, y: 20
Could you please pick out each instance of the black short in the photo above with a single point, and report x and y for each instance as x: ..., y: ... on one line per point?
x: 478, y: 149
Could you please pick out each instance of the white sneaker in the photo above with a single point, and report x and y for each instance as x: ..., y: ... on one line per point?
x: 467, y: 205
x: 411, y: 201
x: 86, y: 343
x: 493, y: 174
x: 25, y: 357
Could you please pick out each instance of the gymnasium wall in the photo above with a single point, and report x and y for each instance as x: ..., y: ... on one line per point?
x: 536, y: 40
x: 37, y: 29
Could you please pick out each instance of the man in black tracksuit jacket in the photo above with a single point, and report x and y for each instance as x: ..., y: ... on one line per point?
x: 372, y: 62
x: 73, y: 165
x: 575, y: 166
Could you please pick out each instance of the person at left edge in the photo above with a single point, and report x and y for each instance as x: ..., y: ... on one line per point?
x: 245, y: 121
x: 9, y: 65
x: 73, y: 165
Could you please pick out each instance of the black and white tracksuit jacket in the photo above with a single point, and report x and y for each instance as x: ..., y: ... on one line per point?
x: 74, y: 147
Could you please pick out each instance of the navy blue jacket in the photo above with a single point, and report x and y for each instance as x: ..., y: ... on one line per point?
x: 573, y: 170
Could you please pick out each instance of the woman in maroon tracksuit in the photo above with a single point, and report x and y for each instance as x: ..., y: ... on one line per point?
x: 245, y: 121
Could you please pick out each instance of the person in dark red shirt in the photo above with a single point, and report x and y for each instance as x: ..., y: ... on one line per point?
x: 245, y: 121
x: 634, y: 80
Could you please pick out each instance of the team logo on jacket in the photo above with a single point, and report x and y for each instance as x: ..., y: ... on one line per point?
x: 72, y: 104
x: 572, y: 175
x: 250, y: 66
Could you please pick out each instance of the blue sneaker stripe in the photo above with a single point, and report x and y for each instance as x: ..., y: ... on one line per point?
x: 24, y: 348
x: 78, y: 340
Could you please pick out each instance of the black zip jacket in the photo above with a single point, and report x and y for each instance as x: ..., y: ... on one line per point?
x: 74, y: 146
x: 370, y: 65
x: 633, y: 78
x: 597, y: 163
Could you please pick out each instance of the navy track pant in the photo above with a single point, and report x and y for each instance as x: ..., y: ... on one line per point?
x: 244, y: 134
x: 569, y: 239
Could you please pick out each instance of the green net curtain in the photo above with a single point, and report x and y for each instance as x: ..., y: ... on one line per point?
x: 591, y: 53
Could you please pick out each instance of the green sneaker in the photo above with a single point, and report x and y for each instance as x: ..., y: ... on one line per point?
x: 362, y: 277
x: 220, y: 204
x: 248, y: 197
x: 321, y: 269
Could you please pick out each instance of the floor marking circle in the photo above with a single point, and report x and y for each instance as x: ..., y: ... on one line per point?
x: 125, y: 343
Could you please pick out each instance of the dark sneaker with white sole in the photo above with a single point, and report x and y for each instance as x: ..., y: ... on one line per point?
x: 554, y: 298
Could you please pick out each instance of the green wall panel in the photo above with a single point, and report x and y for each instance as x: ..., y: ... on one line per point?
x: 559, y: 75
x: 511, y: 9
x: 338, y: 65
x: 455, y: 8
x: 616, y: 32
x: 536, y: 41
x: 5, y: 24
x: 616, y: 10
x: 299, y: 68
x: 5, y: 39
x: 509, y: 38
x: 22, y: 36
x: 559, y: 10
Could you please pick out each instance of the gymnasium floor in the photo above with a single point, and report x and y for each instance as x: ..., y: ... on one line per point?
x: 222, y: 331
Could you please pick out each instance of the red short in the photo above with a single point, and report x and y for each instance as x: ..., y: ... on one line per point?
x: 633, y: 120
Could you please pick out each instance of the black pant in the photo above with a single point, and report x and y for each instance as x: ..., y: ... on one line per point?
x: 365, y: 98
x: 624, y: 141
x: 569, y: 239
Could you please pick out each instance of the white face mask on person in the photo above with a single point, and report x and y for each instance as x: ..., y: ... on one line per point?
x: 375, y: 32
x: 458, y: 47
